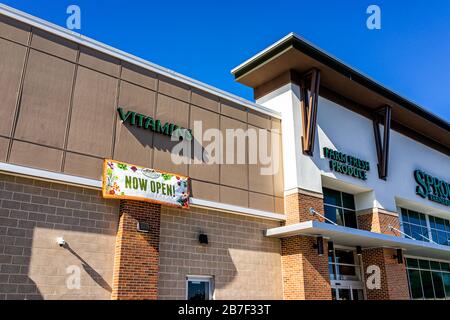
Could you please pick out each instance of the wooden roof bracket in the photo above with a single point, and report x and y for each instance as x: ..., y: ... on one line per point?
x: 308, y: 104
x: 382, y: 115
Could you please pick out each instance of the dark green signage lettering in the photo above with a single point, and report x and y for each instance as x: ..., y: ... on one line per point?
x: 148, y: 123
x: 155, y: 186
x: 430, y: 187
x: 346, y: 164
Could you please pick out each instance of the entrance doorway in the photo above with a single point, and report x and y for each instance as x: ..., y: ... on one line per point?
x: 347, y: 290
x: 345, y: 274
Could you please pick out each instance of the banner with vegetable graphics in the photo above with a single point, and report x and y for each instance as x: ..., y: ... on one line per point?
x: 126, y: 181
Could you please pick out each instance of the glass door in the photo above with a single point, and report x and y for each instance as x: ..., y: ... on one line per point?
x: 347, y: 291
x: 345, y: 274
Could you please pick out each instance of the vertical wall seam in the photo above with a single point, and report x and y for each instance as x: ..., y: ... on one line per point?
x: 154, y: 116
x: 19, y: 95
x: 119, y: 82
x: 69, y: 114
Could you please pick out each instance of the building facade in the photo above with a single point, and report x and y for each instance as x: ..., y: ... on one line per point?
x: 329, y: 186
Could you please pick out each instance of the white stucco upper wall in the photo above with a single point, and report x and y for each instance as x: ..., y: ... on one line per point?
x: 340, y: 129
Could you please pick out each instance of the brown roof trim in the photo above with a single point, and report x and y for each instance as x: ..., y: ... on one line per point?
x: 320, y: 56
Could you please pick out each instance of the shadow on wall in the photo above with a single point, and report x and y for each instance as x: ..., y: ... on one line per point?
x: 33, y: 214
x: 243, y: 262
x: 163, y: 143
x: 90, y: 271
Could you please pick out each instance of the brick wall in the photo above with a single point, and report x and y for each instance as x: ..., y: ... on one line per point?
x: 375, y: 220
x: 136, y: 253
x: 305, y: 273
x: 394, y: 281
x: 33, y: 214
x: 297, y: 207
x: 242, y: 261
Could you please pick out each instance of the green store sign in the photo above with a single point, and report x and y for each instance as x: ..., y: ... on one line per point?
x: 148, y: 123
x: 347, y: 164
x: 430, y: 187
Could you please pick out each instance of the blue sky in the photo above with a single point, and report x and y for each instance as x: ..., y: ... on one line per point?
x: 206, y: 39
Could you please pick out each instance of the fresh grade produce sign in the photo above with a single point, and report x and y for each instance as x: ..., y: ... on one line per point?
x: 126, y: 181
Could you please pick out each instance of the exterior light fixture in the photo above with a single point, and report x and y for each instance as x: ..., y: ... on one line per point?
x: 358, y: 250
x: 60, y: 241
x: 399, y: 256
x: 203, y: 238
x: 319, y: 246
x: 330, y: 246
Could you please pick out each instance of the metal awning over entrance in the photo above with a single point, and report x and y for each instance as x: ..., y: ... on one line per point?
x: 366, y: 239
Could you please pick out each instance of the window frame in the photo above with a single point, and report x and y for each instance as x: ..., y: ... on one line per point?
x: 428, y: 227
x: 357, y: 265
x: 342, y: 207
x: 201, y: 278
x: 431, y: 270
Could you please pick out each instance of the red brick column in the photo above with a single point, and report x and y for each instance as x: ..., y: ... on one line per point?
x: 394, y: 281
x: 305, y: 273
x: 296, y: 207
x: 377, y: 220
x: 136, y: 254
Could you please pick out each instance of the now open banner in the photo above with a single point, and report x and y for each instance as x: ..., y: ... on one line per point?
x: 126, y: 181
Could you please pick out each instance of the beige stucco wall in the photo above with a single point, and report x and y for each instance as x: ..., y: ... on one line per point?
x: 244, y: 263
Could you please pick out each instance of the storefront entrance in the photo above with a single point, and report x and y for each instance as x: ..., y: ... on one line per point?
x: 345, y: 274
x: 347, y: 290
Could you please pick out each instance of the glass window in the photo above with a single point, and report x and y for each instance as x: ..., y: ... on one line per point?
x: 199, y: 288
x: 415, y: 225
x: 427, y: 284
x: 348, y: 201
x: 412, y: 263
x: 415, y: 284
x: 340, y: 207
x: 438, y: 285
x: 446, y: 281
x: 342, y: 265
x: 440, y: 230
x: 428, y: 279
x: 332, y: 197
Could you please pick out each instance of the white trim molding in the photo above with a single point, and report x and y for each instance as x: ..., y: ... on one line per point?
x: 49, y: 176
x: 237, y: 209
x: 63, y: 178
x: 96, y: 45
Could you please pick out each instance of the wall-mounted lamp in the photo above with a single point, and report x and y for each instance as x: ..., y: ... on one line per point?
x: 60, y: 241
x: 143, y: 227
x: 399, y: 256
x: 203, y: 238
x: 358, y: 250
x: 330, y: 246
x: 319, y: 246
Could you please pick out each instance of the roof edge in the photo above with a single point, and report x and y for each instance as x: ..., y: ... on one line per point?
x: 122, y: 55
x: 292, y: 39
